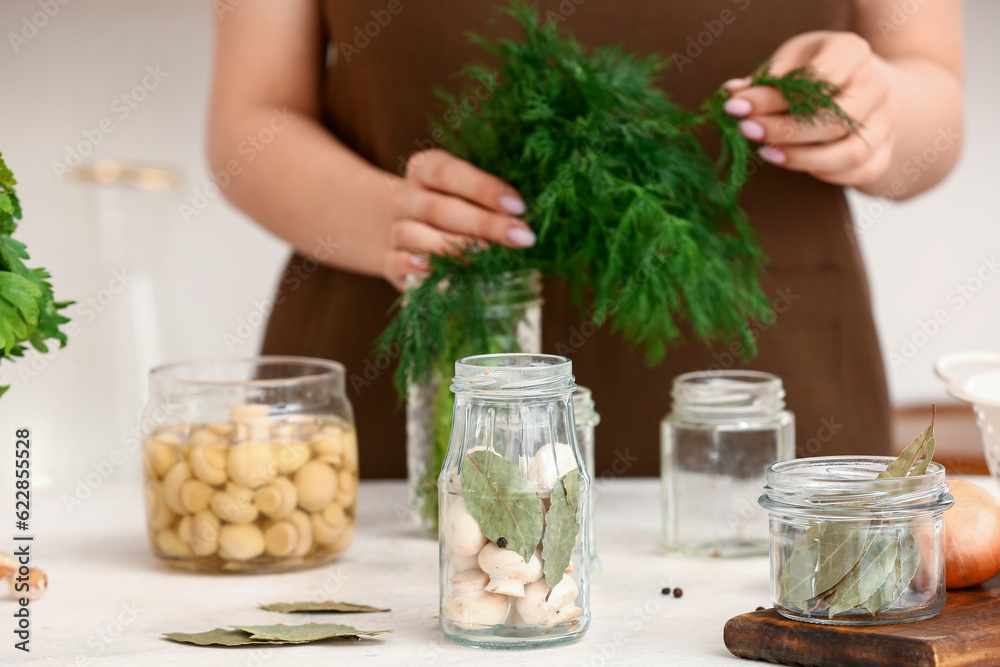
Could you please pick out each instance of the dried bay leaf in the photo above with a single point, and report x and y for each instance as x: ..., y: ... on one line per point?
x: 922, y: 444
x: 572, y: 482
x: 840, y: 546
x: 501, y: 501
x: 861, y: 583
x: 300, y: 634
x: 325, y: 606
x: 798, y: 583
x: 217, y: 637
x: 561, y: 529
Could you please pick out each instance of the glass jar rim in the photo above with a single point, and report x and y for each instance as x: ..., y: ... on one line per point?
x: 514, y: 375
x: 326, y: 370
x: 707, y: 396
x: 797, y: 486
x: 584, y: 407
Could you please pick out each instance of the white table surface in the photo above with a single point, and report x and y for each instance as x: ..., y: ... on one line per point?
x: 109, y: 600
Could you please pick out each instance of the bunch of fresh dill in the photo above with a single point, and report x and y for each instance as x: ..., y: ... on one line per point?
x: 628, y: 208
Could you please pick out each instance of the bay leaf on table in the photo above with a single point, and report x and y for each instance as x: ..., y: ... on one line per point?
x: 217, y: 637
x: 502, y: 502
x: 561, y: 529
x: 304, y: 633
x: 876, y: 564
x: 324, y: 606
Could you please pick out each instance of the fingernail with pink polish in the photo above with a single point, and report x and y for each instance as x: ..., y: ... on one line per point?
x: 419, y: 262
x: 522, y: 237
x: 751, y: 129
x: 772, y: 154
x: 512, y: 204
x: 735, y: 83
x: 737, y: 107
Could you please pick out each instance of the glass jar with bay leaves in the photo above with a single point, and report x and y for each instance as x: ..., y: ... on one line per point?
x: 851, y: 548
x: 724, y: 429
x: 514, y: 503
x: 514, y: 321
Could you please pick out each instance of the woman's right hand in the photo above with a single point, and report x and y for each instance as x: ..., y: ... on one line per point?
x: 443, y: 205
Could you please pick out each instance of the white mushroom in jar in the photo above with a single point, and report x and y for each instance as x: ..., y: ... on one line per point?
x: 350, y: 440
x: 241, y: 542
x: 252, y: 464
x: 161, y: 453
x: 179, y: 474
x: 278, y: 499
x: 157, y: 512
x: 462, y: 534
x: 170, y: 543
x: 251, y: 421
x: 291, y: 456
x: 281, y: 538
x: 560, y: 606
x: 195, y: 495
x: 208, y: 463
x: 205, y: 528
x: 549, y: 464
x: 234, y: 505
x: 471, y: 607
x: 329, y: 445
x: 344, y: 540
x: 317, y: 485
x: 509, y: 572
x: 347, y: 488
x: 303, y: 529
x: 329, y: 524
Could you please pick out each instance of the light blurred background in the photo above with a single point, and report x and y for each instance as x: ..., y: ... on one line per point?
x: 192, y: 279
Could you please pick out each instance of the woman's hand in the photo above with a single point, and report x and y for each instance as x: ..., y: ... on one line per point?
x: 445, y: 205
x: 825, y: 149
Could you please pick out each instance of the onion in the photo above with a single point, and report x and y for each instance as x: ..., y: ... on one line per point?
x: 971, y: 536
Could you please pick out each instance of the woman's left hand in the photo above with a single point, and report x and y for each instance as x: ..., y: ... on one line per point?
x: 826, y: 149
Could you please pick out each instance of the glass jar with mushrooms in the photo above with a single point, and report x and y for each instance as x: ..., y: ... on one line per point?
x: 250, y: 465
x: 514, y: 506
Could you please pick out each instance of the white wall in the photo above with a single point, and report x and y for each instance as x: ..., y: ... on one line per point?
x: 207, y: 273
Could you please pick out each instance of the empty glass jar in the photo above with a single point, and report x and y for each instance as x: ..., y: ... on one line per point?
x: 250, y: 465
x: 850, y: 549
x: 514, y: 315
x: 724, y: 430
x: 514, y: 503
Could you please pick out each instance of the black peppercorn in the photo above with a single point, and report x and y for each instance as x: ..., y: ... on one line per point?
x: 760, y: 609
x: 502, y: 542
x: 665, y: 591
x: 678, y: 592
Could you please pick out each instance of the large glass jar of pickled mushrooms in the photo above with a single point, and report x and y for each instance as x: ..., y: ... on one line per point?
x: 514, y: 502
x: 250, y: 465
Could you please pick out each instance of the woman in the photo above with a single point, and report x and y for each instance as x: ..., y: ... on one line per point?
x: 355, y: 184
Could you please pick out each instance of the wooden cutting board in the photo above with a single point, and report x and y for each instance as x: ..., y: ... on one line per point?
x: 966, y: 632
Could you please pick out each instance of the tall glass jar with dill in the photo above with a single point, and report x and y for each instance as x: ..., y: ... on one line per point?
x: 514, y: 315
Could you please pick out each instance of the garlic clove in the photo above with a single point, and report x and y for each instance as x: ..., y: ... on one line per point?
x: 241, y: 542
x: 281, y: 538
x: 278, y: 499
x: 171, y: 544
x: 205, y: 527
x: 317, y: 485
x: 329, y: 524
x: 180, y: 473
x: 208, y: 463
x: 195, y: 495
x: 303, y: 527
x: 347, y: 488
x: 252, y: 464
x: 462, y: 534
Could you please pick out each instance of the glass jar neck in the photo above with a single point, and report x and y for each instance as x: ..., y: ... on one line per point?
x: 715, y: 396
x: 849, y: 486
x: 514, y: 289
x: 503, y: 377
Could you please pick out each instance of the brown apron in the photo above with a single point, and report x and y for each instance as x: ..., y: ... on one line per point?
x: 823, y: 343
